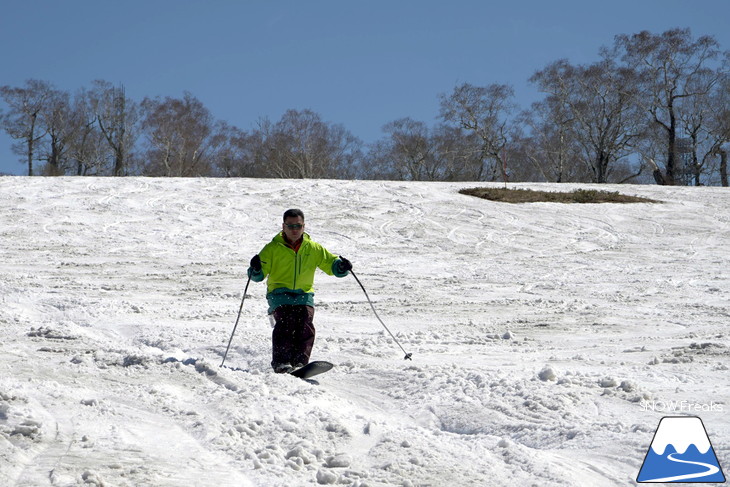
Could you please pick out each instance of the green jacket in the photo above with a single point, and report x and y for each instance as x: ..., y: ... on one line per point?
x: 291, y: 274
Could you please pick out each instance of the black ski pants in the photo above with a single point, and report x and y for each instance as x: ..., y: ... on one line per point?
x: 293, y: 335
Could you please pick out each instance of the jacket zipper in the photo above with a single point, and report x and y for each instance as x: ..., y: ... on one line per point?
x: 297, y: 266
x: 296, y: 262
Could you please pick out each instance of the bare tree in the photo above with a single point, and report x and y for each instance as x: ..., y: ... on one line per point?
x: 704, y: 130
x: 550, y: 148
x: 719, y: 123
x: 89, y: 151
x: 234, y: 151
x: 179, y: 134
x: 117, y: 118
x: 302, y: 145
x: 60, y: 125
x: 459, y: 155
x: 412, y: 151
x: 486, y: 111
x: 21, y: 122
x: 672, y: 66
x: 599, y: 101
x: 407, y: 152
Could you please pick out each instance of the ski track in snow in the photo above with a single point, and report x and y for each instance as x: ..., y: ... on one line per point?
x: 537, y: 332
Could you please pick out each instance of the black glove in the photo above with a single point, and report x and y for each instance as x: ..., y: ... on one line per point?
x: 255, y: 263
x: 345, y: 265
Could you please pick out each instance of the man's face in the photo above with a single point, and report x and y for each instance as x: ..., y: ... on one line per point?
x: 293, y: 228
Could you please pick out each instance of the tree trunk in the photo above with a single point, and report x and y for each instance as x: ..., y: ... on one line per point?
x: 671, y: 146
x: 601, y: 168
x: 53, y: 159
x: 31, y: 144
x: 30, y: 157
x: 119, y: 165
x: 656, y: 172
x: 723, y: 167
x: 697, y: 169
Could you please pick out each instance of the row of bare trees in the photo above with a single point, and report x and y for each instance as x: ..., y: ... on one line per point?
x: 92, y: 133
x: 654, y: 107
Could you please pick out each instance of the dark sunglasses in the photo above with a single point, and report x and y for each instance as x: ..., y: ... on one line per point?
x: 295, y: 226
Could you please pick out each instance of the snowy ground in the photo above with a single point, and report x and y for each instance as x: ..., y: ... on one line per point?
x: 542, y: 335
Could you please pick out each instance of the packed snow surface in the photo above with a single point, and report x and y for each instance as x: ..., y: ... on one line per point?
x: 548, y: 340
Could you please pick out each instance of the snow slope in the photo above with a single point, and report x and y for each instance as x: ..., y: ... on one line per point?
x: 548, y: 340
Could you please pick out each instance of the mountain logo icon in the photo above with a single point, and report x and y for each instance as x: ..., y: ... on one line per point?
x: 681, y: 452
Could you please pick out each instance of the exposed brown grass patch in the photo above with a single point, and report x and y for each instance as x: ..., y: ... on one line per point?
x: 506, y: 195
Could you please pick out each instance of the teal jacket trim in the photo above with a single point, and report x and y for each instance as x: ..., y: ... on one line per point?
x: 291, y: 297
x: 256, y: 276
x: 336, y: 269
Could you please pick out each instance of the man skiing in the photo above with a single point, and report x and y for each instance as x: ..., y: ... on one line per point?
x: 290, y: 261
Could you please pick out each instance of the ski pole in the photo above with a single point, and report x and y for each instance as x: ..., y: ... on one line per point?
x: 236, y: 325
x: 408, y: 355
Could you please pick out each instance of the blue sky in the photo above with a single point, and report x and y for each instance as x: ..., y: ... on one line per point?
x: 358, y: 63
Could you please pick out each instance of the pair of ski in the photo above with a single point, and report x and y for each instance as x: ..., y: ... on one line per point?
x: 311, y: 369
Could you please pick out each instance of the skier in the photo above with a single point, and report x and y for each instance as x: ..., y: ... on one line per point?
x: 290, y: 261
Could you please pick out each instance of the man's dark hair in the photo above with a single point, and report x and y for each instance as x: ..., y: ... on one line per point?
x: 293, y: 213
